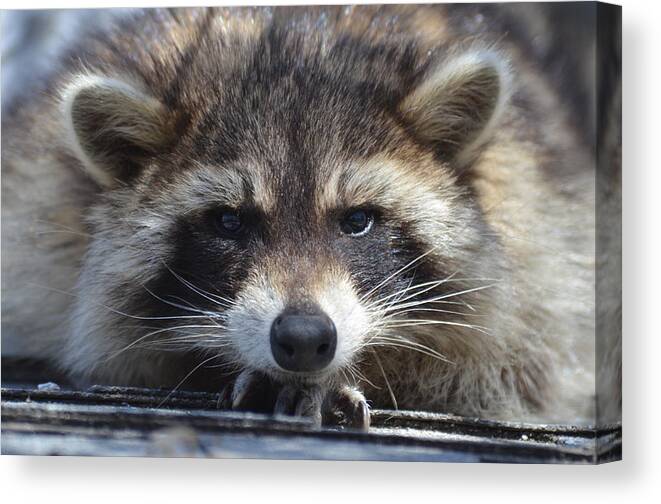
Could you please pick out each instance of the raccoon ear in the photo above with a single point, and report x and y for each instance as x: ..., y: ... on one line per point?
x: 457, y: 103
x: 114, y: 126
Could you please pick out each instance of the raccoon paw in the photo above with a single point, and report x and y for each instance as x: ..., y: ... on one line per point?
x: 346, y: 406
x: 252, y: 391
x: 300, y: 401
x: 342, y: 406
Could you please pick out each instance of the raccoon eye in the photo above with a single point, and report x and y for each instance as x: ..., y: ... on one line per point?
x: 357, y: 223
x: 229, y: 223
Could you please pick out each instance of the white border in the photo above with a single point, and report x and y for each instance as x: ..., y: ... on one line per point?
x: 107, y: 480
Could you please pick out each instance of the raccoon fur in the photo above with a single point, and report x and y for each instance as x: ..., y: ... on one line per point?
x: 310, y: 209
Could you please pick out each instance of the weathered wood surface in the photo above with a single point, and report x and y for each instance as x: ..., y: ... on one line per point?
x: 116, y: 421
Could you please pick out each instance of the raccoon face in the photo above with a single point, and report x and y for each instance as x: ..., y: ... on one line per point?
x: 279, y: 229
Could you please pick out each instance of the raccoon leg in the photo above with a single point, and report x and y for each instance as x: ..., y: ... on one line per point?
x: 346, y: 406
x: 340, y: 406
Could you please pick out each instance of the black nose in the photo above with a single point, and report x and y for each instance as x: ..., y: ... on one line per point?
x: 303, y: 342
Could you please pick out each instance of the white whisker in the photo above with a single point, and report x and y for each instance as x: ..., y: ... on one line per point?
x: 116, y: 311
x: 408, y: 345
x: 153, y: 333
x: 207, y: 295
x: 361, y: 376
x: 430, y: 285
x: 437, y: 298
x: 420, y: 322
x: 177, y: 305
x: 385, y: 378
x: 186, y: 378
x: 399, y: 271
x: 434, y: 310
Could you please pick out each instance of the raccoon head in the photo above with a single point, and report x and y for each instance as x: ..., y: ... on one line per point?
x: 297, y: 217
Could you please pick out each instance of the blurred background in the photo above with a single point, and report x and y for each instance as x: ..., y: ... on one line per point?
x: 559, y: 37
x: 30, y: 40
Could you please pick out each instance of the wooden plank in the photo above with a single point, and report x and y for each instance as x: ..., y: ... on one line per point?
x: 137, y: 422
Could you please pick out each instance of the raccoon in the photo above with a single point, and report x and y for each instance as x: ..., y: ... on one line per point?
x: 315, y: 211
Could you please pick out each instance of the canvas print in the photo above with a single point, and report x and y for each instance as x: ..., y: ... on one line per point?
x: 357, y: 232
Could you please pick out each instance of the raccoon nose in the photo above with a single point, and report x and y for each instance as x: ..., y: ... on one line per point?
x: 303, y: 342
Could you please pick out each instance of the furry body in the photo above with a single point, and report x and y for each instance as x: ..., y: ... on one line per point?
x: 473, y: 293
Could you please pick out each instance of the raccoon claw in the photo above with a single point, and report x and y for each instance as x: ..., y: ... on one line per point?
x: 224, y: 397
x: 304, y: 402
x: 249, y: 391
x: 242, y: 386
x: 347, y: 407
x: 254, y: 392
x: 284, y: 404
x: 361, y: 416
x: 309, y: 405
x: 343, y: 407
